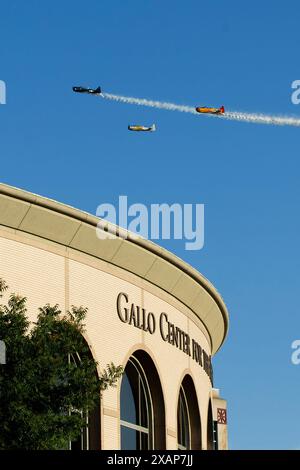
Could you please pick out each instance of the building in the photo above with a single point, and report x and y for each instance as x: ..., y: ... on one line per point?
x: 148, y: 310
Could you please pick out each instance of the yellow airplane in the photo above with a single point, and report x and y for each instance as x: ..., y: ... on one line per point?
x: 142, y: 128
x: 207, y: 110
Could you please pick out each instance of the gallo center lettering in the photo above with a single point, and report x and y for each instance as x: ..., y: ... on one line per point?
x: 139, y: 317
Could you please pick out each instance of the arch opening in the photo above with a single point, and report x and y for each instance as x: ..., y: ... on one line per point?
x: 90, y: 434
x: 142, y: 405
x: 188, y: 417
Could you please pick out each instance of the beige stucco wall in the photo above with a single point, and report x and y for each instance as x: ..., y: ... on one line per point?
x: 48, y: 273
x: 75, y: 230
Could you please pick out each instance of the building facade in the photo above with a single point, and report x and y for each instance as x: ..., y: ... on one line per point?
x: 147, y: 310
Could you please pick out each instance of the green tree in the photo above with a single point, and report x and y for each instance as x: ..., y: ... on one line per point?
x: 49, y: 381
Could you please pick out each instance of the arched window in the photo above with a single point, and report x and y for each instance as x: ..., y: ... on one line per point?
x: 81, y: 443
x: 89, y: 438
x: 136, y: 408
x: 188, y: 417
x: 183, y: 422
x: 210, y: 428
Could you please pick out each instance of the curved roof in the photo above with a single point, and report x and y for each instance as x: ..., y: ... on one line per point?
x: 73, y: 228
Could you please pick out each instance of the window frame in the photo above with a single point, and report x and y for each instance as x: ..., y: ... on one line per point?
x: 144, y: 386
x: 85, y: 432
x: 182, y: 400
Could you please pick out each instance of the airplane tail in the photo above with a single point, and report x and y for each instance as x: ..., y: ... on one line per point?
x: 98, y: 90
x: 222, y: 110
x: 153, y: 127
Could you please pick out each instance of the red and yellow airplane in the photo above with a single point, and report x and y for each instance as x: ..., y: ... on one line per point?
x: 207, y: 110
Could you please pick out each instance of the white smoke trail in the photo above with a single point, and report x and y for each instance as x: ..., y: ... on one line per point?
x: 231, y: 115
x: 150, y: 103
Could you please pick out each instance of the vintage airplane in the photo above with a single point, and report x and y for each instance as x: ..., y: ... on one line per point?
x: 80, y: 89
x: 207, y: 110
x: 142, y: 128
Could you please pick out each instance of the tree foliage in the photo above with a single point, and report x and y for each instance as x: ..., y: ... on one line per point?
x: 50, y: 378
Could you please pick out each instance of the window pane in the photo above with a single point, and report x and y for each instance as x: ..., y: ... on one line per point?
x: 129, y: 438
x: 183, y: 429
x: 76, y: 445
x: 128, y: 405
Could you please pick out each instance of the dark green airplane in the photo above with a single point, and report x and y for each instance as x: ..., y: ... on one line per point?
x: 80, y: 89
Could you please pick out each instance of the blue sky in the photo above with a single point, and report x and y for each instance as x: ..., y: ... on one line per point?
x: 76, y: 149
